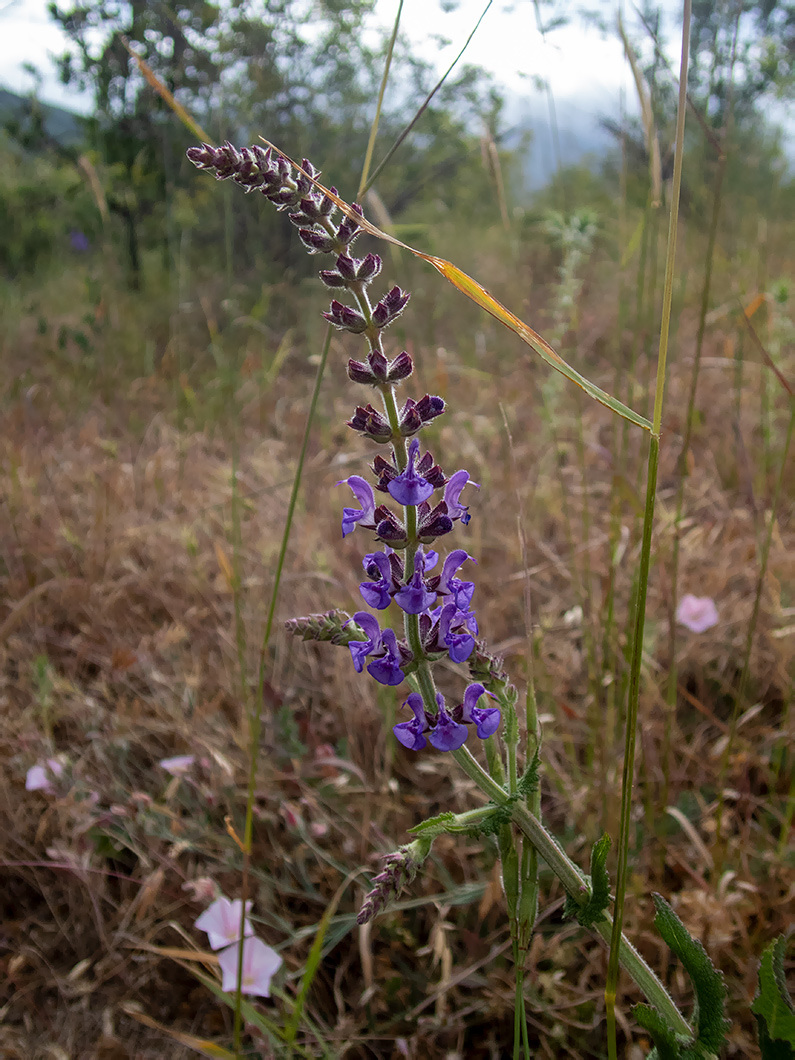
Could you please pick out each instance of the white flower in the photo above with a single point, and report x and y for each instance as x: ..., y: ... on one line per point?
x: 221, y: 921
x: 177, y: 766
x: 697, y: 613
x: 260, y: 964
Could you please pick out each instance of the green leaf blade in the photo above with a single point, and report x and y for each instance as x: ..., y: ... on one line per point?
x: 772, y: 1005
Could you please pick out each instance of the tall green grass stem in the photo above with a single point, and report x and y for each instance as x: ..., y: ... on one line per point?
x: 645, y: 558
x: 368, y: 157
x: 368, y: 183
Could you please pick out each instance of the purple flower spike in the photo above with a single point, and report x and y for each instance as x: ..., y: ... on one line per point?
x: 386, y: 670
x: 377, y: 594
x: 447, y: 735
x: 409, y: 488
x: 363, y: 492
x: 459, y: 592
x: 486, y: 719
x: 452, y: 492
x: 409, y: 733
x: 360, y: 649
x: 415, y: 597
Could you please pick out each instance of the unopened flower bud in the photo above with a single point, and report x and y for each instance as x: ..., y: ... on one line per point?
x: 390, y: 307
x: 370, y: 422
x: 348, y: 229
x: 345, y: 318
x: 331, y: 278
x: 316, y: 242
x: 369, y: 268
x: 401, y: 368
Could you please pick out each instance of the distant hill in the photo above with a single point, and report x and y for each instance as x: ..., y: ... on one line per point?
x: 62, y: 125
x: 580, y: 134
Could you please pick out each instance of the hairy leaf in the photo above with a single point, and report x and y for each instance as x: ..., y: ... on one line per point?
x: 708, y: 983
x: 773, y: 1008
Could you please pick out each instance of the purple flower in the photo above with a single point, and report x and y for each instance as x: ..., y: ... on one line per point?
x: 452, y: 589
x: 409, y: 733
x: 485, y: 719
x: 453, y: 633
x: 415, y: 597
x: 79, y: 241
x: 452, y: 492
x: 697, y: 613
x: 378, y: 594
x: 360, y: 649
x: 386, y: 668
x: 447, y: 734
x: 363, y: 492
x: 410, y: 488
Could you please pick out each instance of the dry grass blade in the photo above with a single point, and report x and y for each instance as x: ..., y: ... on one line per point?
x: 201, y: 1045
x: 164, y: 93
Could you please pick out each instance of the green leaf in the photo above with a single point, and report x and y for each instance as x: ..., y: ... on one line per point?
x: 666, y: 1045
x: 592, y: 911
x: 528, y: 781
x: 433, y: 824
x: 708, y: 983
x: 773, y: 1008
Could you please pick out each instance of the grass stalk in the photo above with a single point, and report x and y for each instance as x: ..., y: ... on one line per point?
x: 257, y: 702
x: 683, y: 474
x: 742, y: 687
x: 645, y: 558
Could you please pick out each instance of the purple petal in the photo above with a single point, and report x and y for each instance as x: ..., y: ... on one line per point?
x: 386, y: 670
x: 486, y: 719
x: 377, y: 594
x: 364, y: 495
x: 360, y: 649
x: 447, y: 735
x: 452, y: 492
x: 409, y: 488
x: 416, y: 597
x: 409, y: 733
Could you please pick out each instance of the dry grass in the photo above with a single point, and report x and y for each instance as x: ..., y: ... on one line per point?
x: 119, y: 648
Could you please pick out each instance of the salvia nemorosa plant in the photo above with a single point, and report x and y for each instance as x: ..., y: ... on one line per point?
x: 411, y: 508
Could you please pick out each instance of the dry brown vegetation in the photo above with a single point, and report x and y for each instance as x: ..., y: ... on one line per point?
x: 125, y: 640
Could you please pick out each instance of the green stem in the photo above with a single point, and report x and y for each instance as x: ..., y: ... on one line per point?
x: 576, y: 885
x: 363, y: 183
x: 616, y: 944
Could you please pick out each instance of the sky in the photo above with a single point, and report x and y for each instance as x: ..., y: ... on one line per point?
x: 576, y: 60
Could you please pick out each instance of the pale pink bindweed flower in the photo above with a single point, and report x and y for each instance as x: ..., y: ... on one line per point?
x: 697, y: 613
x: 221, y: 921
x: 39, y: 777
x: 177, y: 766
x: 260, y: 964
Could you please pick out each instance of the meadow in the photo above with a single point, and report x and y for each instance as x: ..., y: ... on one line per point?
x: 149, y: 444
